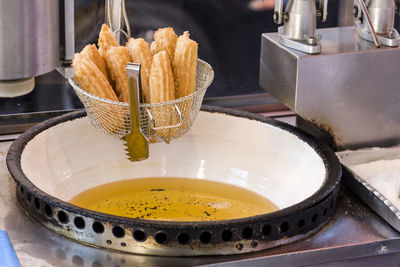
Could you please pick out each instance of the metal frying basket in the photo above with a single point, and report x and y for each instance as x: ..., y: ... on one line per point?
x: 159, y: 122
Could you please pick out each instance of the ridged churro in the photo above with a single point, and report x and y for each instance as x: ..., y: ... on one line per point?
x: 106, y: 38
x: 139, y: 51
x: 184, y: 65
x: 162, y: 86
x: 116, y: 59
x: 91, y: 52
x: 164, y: 39
x: 90, y: 78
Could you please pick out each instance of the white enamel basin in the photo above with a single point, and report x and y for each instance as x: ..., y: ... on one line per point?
x: 71, y: 157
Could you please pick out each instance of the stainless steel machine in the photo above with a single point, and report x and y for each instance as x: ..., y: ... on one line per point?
x: 342, y: 80
x: 36, y: 37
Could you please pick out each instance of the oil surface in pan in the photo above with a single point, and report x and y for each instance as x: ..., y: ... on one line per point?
x: 174, y: 199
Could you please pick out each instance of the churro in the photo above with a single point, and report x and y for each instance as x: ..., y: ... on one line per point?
x: 184, y: 65
x: 116, y: 59
x: 168, y: 72
x: 164, y: 39
x: 106, y: 38
x: 90, y: 78
x: 162, y: 87
x: 139, y: 51
x: 91, y: 52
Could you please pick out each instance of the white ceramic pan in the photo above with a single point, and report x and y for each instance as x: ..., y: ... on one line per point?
x: 62, y: 157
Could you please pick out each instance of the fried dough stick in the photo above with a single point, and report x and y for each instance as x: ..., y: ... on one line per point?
x: 162, y: 86
x: 139, y: 51
x: 116, y: 59
x: 164, y: 39
x: 91, y: 79
x: 91, y: 52
x: 106, y: 38
x: 184, y: 65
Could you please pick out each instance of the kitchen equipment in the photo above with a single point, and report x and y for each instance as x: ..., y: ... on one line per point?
x: 137, y: 145
x: 349, y: 91
x: 160, y: 122
x: 382, y: 14
x: 270, y: 158
x: 36, y: 37
x: 299, y: 20
x: 383, y: 198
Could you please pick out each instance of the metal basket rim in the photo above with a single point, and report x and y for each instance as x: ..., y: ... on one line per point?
x: 76, y: 87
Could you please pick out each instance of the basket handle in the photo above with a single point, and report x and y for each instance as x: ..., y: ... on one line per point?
x: 153, y: 124
x: 116, y: 18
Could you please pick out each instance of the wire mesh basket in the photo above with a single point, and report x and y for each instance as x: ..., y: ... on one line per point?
x: 160, y: 122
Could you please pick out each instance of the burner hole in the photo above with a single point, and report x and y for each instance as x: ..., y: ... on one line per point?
x: 284, y: 227
x: 139, y: 235
x: 37, y: 203
x: 118, y: 232
x: 161, y: 238
x: 247, y: 233
x: 79, y: 222
x: 48, y: 210
x: 266, y: 230
x: 29, y: 197
x: 324, y: 212
x: 314, y: 218
x: 98, y: 227
x: 205, y: 237
x: 109, y: 242
x: 301, y: 223
x: 21, y: 188
x: 77, y: 260
x: 97, y: 264
x: 226, y: 235
x: 183, y: 238
x: 62, y: 217
x: 123, y: 244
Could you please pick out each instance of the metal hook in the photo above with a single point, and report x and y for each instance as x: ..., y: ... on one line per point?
x: 117, y: 18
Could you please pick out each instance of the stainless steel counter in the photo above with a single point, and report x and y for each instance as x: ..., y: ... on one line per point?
x: 355, y: 236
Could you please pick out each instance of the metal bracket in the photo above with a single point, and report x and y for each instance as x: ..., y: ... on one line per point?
x: 311, y: 46
x: 389, y: 37
x: 392, y: 39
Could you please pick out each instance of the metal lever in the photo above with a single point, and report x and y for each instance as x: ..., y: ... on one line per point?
x: 369, y: 23
x: 117, y: 19
x: 378, y: 25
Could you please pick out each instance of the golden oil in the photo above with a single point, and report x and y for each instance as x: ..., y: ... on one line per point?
x: 174, y: 199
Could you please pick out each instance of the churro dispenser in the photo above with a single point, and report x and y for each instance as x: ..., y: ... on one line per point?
x: 36, y: 37
x: 341, y: 82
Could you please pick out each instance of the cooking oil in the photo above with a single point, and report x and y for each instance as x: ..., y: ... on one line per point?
x: 174, y: 199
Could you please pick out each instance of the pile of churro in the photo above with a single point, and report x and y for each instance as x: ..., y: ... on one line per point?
x: 168, y: 66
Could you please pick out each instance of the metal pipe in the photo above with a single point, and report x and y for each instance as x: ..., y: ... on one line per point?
x: 369, y: 23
